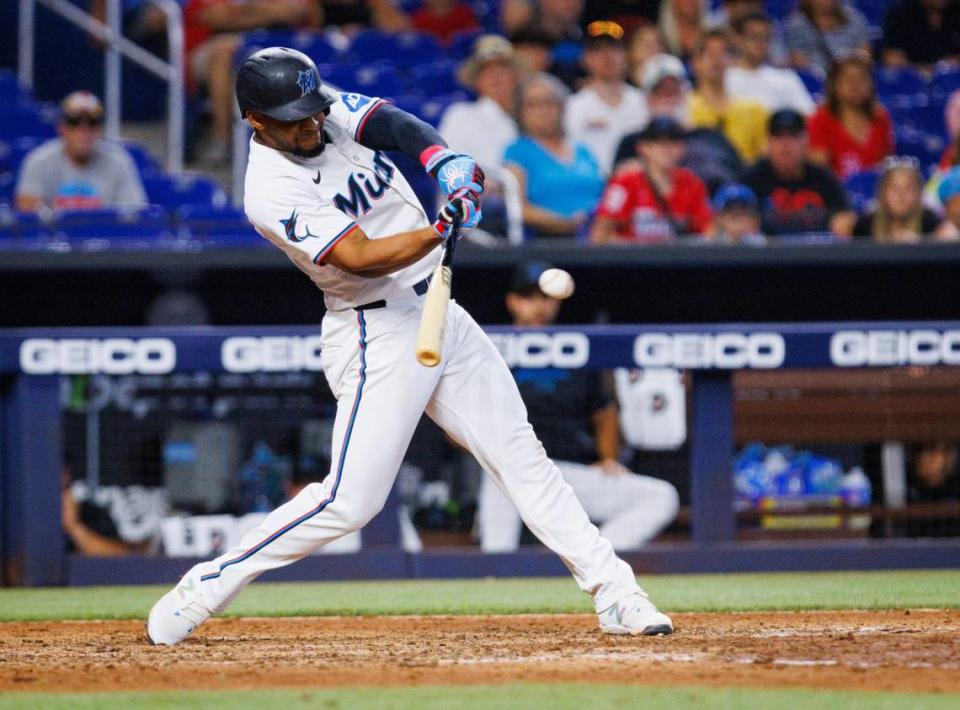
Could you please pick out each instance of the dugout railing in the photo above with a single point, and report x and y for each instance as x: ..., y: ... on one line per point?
x: 34, y: 362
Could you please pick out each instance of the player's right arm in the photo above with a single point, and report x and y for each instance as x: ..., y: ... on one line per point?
x: 362, y: 256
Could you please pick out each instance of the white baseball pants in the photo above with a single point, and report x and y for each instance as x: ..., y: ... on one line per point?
x: 381, y: 390
x: 631, y: 509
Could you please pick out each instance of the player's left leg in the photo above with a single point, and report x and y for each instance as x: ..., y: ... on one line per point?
x: 477, y: 403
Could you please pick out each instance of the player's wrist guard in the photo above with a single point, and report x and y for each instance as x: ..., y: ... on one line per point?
x: 454, y: 171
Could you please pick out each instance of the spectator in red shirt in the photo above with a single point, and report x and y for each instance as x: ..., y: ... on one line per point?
x: 658, y: 201
x: 441, y: 18
x: 850, y: 131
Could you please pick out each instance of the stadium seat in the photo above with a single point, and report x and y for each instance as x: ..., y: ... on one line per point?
x: 894, y: 82
x: 429, y: 109
x: 27, y: 120
x: 319, y: 47
x: 434, y: 79
x: 488, y: 14
x: 225, y: 224
x: 149, y: 223
x: 10, y: 90
x: 927, y: 148
x: 146, y: 163
x: 862, y: 187
x: 372, y: 80
x: 944, y: 82
x: 813, y: 82
x: 404, y: 49
x: 188, y: 188
x: 461, y: 43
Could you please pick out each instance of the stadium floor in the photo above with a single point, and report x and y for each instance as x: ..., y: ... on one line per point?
x: 893, y: 650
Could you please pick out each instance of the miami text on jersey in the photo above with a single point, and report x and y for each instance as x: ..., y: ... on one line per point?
x: 362, y: 188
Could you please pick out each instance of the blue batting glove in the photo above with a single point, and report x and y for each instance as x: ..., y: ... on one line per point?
x: 454, y: 171
x: 463, y: 205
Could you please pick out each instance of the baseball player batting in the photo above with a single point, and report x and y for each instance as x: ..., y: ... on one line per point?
x: 320, y: 188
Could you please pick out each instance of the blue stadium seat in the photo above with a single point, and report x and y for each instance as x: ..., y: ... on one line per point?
x: 925, y: 147
x: 461, y: 43
x: 13, y: 152
x: 27, y: 120
x: 813, y: 82
x: 319, y: 47
x: 146, y: 163
x: 434, y: 79
x: 10, y: 90
x: 488, y: 14
x: 429, y: 109
x: 225, y: 224
x: 370, y: 79
x: 189, y: 188
x: 899, y: 82
x: 404, y: 49
x: 149, y: 223
x: 862, y: 187
x: 779, y: 9
x: 944, y: 82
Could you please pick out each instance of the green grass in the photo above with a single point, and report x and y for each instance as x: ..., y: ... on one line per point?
x: 558, y: 696
x: 674, y: 593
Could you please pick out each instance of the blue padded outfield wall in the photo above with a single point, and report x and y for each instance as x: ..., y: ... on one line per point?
x: 31, y: 362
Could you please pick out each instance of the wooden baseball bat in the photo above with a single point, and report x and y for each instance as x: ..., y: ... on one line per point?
x: 433, y: 319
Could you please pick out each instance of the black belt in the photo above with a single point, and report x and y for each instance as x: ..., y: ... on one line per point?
x: 419, y: 288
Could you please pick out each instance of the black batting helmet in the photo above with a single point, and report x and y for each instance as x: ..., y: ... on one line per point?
x: 283, y: 84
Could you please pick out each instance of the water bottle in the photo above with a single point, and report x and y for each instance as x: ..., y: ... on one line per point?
x: 856, y: 491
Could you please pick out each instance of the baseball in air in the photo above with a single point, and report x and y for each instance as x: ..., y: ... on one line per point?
x: 556, y: 283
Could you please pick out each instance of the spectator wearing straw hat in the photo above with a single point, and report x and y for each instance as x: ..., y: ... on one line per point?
x: 485, y: 127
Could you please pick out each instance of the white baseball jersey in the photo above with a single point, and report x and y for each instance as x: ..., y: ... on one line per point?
x: 306, y: 206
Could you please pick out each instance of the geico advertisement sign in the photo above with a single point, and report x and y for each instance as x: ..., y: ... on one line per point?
x: 271, y: 354
x: 108, y: 356
x: 564, y: 350
x: 858, y: 348
x: 723, y: 351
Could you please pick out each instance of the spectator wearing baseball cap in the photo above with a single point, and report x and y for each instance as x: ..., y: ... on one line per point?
x: 485, y: 127
x: 736, y: 219
x: 79, y: 170
x: 707, y: 152
x: 607, y: 107
x: 742, y: 121
x: 795, y: 195
x: 658, y: 201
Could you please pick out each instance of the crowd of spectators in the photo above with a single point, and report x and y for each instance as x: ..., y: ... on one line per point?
x: 668, y: 111
x: 620, y: 121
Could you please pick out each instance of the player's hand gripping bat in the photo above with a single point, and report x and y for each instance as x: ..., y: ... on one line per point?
x: 433, y: 319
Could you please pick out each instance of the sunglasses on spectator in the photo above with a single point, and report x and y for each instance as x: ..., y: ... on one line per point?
x: 90, y: 121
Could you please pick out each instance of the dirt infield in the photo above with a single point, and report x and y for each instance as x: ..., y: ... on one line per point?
x: 894, y: 650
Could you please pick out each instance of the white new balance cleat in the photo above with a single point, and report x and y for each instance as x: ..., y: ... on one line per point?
x: 178, y: 612
x: 635, y: 615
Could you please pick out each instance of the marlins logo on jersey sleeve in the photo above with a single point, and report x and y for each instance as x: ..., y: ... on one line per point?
x: 314, y: 229
x: 352, y: 112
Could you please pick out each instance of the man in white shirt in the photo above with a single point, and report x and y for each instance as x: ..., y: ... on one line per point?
x: 753, y: 78
x: 485, y: 127
x: 607, y: 108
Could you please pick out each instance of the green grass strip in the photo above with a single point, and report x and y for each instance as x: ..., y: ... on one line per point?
x: 674, y: 593
x: 559, y: 696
